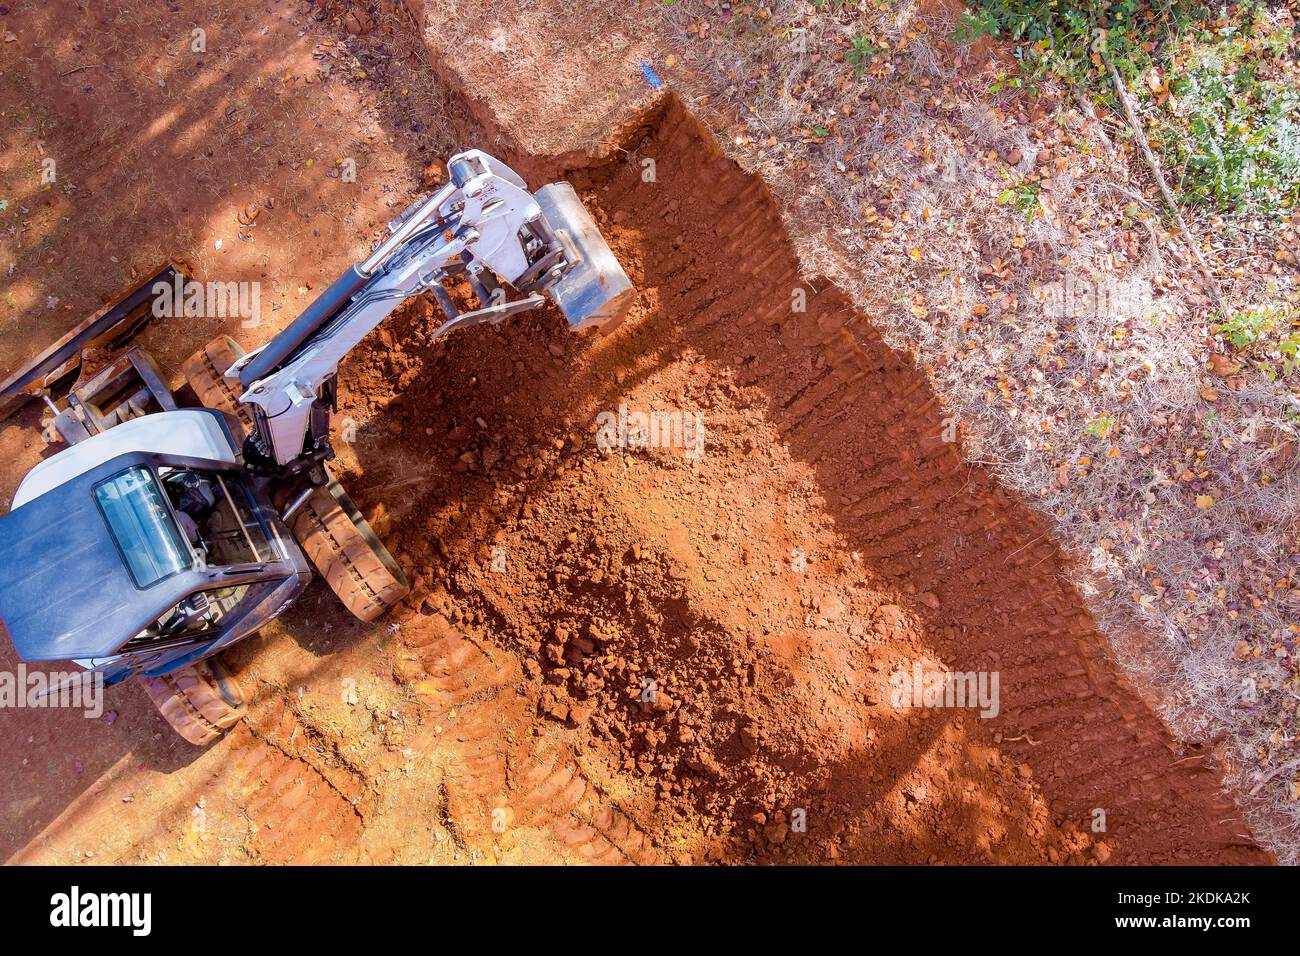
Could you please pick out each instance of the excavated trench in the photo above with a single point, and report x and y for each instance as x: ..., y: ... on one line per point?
x: 688, y: 651
x: 765, y: 591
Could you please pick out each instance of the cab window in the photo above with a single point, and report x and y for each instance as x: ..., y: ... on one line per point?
x: 195, y: 616
x: 216, y: 515
x: 141, y: 524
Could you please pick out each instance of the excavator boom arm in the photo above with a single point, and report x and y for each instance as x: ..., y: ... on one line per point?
x: 483, y: 224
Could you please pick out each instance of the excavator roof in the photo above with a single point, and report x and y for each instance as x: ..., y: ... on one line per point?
x: 87, y: 565
x: 90, y: 553
x: 191, y: 432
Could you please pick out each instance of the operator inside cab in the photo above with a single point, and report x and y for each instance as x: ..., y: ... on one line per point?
x: 194, y: 496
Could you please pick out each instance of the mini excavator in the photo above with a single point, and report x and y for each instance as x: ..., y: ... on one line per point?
x: 161, y: 535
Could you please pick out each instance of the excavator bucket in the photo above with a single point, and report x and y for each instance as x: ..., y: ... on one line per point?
x: 594, y: 292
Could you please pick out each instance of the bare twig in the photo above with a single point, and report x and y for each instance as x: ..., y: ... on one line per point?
x: 1138, y: 198
x: 1090, y: 114
x: 1121, y: 91
x: 1273, y: 773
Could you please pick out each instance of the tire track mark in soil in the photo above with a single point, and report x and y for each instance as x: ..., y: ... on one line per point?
x: 498, y: 775
x: 306, y: 805
x: 305, y: 779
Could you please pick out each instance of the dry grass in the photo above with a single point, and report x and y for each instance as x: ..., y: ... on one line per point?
x: 1103, y: 413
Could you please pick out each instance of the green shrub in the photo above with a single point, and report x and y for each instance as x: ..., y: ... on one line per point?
x: 1023, y: 197
x: 1235, y: 139
x: 1062, y: 32
x: 1267, y: 337
x: 860, y: 52
x: 1230, y: 125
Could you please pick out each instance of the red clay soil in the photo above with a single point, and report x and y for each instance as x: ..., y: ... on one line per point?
x: 618, y: 568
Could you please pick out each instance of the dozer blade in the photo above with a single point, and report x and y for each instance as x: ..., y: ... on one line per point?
x: 595, y: 292
x: 125, y: 387
x: 108, y: 329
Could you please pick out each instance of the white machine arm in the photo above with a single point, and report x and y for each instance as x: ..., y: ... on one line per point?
x: 483, y: 224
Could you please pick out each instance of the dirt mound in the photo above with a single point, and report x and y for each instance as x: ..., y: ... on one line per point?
x: 498, y: 779
x: 714, y: 636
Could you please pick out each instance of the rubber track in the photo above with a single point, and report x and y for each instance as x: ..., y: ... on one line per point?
x: 344, y: 557
x: 193, y: 707
x: 205, y: 370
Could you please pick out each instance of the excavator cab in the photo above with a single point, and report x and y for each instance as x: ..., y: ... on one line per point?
x: 147, y: 546
x: 175, y: 555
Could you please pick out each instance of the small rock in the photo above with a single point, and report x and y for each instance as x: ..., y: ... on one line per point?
x: 553, y: 703
x: 830, y: 608
x: 776, y: 831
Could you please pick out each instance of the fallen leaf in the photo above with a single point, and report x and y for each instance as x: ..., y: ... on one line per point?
x: 1222, y: 365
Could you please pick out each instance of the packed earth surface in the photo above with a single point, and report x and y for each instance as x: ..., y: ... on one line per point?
x: 670, y: 648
